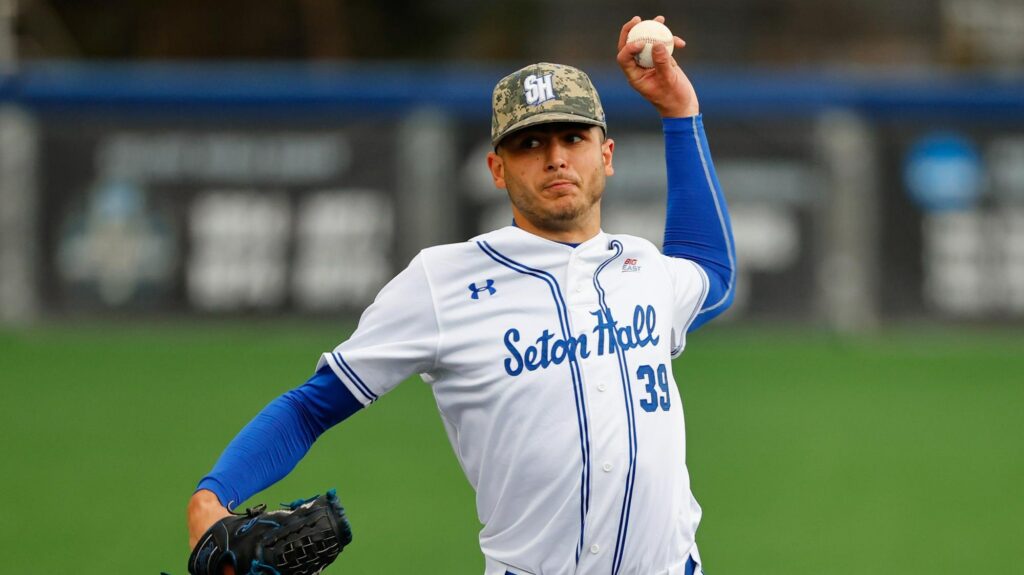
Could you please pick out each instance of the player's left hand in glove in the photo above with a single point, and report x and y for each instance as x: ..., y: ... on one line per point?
x: 302, y: 538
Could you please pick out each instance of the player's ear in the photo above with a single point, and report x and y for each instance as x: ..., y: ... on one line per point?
x: 607, y: 150
x: 497, y: 167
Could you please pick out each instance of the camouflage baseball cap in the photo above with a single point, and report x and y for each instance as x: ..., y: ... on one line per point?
x: 541, y: 94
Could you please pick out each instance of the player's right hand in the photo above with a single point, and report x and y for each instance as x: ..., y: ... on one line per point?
x: 665, y: 85
x: 204, y: 509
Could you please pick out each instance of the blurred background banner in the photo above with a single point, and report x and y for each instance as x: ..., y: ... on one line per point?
x: 158, y: 159
x: 301, y: 188
x: 147, y: 214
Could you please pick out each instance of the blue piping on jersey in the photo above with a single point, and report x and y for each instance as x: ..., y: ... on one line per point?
x: 721, y: 221
x: 353, y: 377
x: 574, y: 369
x: 705, y: 286
x: 627, y: 497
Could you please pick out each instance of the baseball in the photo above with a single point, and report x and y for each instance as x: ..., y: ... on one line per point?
x: 650, y: 31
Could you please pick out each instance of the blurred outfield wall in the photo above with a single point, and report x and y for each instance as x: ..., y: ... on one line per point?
x: 226, y: 190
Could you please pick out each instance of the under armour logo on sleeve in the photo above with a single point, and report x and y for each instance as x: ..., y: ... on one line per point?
x: 488, y: 287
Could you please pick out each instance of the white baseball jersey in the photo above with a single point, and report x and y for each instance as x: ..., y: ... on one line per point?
x: 551, y: 368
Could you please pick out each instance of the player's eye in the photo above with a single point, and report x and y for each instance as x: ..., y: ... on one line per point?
x: 529, y: 143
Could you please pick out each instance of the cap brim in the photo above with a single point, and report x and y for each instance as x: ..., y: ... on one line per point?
x: 547, y: 118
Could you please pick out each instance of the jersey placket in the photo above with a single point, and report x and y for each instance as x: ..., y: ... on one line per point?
x: 602, y: 389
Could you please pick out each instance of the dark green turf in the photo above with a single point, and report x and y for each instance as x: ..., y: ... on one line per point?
x: 811, y: 454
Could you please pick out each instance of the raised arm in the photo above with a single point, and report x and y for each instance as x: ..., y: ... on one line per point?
x: 697, y: 223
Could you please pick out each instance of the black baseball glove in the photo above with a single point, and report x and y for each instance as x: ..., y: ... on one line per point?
x: 302, y: 538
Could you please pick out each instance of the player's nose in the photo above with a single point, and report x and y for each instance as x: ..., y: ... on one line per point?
x: 556, y: 157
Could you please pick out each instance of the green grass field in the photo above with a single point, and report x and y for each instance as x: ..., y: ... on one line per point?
x: 811, y: 454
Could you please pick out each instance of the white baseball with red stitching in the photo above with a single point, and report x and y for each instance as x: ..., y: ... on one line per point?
x: 650, y: 32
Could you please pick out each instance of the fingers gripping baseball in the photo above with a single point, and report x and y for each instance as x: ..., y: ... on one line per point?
x: 665, y: 85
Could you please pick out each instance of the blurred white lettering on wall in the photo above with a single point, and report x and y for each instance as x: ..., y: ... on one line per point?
x: 344, y: 238
x: 239, y: 249
x: 974, y: 262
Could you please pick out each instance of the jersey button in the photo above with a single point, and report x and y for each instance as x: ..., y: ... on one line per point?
x: 595, y: 548
x: 579, y: 287
x: 602, y: 387
x: 607, y: 466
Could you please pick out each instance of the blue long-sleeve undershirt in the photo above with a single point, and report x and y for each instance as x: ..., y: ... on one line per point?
x: 270, y: 446
x: 697, y: 224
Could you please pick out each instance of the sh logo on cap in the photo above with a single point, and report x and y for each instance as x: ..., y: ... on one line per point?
x: 538, y: 89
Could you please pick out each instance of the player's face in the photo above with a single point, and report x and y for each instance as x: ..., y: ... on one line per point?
x: 555, y: 176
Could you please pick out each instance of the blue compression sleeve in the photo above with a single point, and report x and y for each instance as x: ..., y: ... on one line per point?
x: 697, y: 225
x: 278, y: 437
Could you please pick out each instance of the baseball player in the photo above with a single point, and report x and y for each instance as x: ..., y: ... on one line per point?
x: 547, y: 344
